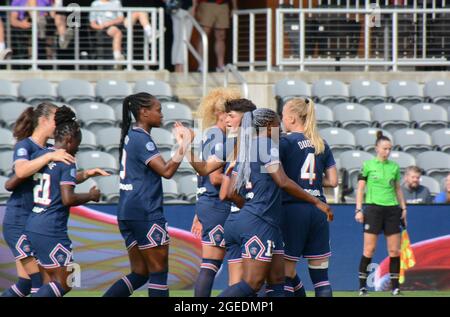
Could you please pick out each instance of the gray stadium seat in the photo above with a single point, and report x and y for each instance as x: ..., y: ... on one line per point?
x: 413, y: 141
x: 6, y: 162
x: 36, y: 90
x: 438, y: 91
x: 10, y: 112
x: 4, y: 194
x: 391, y: 117
x: 157, y: 88
x: 188, y: 187
x: 430, y: 183
x: 330, y: 92
x: 367, y: 92
x: 324, y: 116
x: 88, y: 141
x: 441, y: 139
x: 352, y: 116
x: 403, y: 159
x: 96, y: 116
x: 111, y: 91
x: 287, y: 89
x: 338, y: 139
x: 429, y: 117
x: 94, y: 159
x: 7, y: 91
x: 109, y: 187
x: 85, y: 186
x: 352, y: 162
x: 366, y: 138
x: 76, y: 91
x: 174, y: 111
x: 7, y: 140
x: 109, y: 140
x: 443, y: 184
x: 163, y: 138
x: 435, y: 164
x: 404, y: 92
x: 170, y: 189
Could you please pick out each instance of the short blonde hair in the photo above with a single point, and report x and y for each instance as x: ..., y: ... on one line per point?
x: 215, y: 102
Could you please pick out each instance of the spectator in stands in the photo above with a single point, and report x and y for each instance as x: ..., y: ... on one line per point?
x: 142, y: 17
x: 5, y: 52
x: 444, y: 197
x: 179, y: 10
x: 215, y: 15
x: 65, y: 33
x: 413, y: 192
x: 109, y: 22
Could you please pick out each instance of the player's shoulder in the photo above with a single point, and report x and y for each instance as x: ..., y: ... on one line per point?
x: 41, y: 152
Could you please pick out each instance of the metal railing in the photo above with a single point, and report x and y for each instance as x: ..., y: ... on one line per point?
x: 252, y: 38
x: 85, y: 51
x: 230, y: 68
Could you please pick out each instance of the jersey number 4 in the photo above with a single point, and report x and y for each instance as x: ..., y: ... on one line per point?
x: 308, y: 168
x: 41, y: 191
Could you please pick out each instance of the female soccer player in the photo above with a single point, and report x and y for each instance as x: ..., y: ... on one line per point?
x: 254, y: 231
x: 53, y: 194
x: 140, y: 211
x: 308, y: 161
x: 382, y: 212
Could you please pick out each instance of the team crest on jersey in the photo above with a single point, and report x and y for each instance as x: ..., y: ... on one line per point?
x: 51, y: 165
x: 22, y: 152
x: 274, y: 152
x: 73, y: 173
x: 150, y: 146
x: 367, y: 226
x: 253, y: 250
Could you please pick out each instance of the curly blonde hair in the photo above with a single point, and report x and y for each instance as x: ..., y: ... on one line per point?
x: 215, y: 102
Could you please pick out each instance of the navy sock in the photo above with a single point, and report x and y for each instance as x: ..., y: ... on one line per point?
x: 21, y: 289
x: 241, y: 289
x: 53, y: 289
x: 205, y: 280
x: 394, y: 271
x: 126, y: 285
x: 294, y: 287
x: 275, y: 290
x: 322, y: 286
x: 157, y: 285
x: 36, y: 282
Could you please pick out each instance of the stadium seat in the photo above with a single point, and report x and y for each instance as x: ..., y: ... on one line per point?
x: 4, y: 194
x: 366, y: 138
x: 412, y: 141
x: 441, y: 139
x: 185, y: 167
x: 7, y: 91
x: 94, y: 159
x: 435, y: 164
x: 429, y: 117
x: 404, y: 92
x: 391, y: 117
x: 10, y: 112
x: 339, y: 140
x: 36, y: 90
x: 438, y: 91
x: 85, y: 186
x: 286, y: 89
x: 174, y: 111
x: 367, y: 92
x: 96, y: 116
x: 109, y: 187
x: 170, y: 189
x: 330, y: 92
x: 352, y: 162
x: 76, y: 91
x: 157, y: 88
x: 188, y: 187
x: 403, y: 159
x: 109, y: 140
x: 112, y: 92
x: 430, y: 183
x: 324, y: 116
x: 6, y: 162
x: 88, y: 141
x: 352, y: 116
x: 163, y: 138
x: 7, y: 140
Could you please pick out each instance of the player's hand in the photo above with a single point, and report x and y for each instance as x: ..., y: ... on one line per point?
x: 61, y: 156
x: 96, y: 172
x: 230, y: 168
x: 359, y: 217
x: 196, y: 228
x: 94, y: 194
x: 326, y: 209
x: 183, y: 135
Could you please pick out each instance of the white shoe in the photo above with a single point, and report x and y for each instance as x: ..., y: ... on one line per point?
x: 64, y: 40
x: 5, y: 53
x: 119, y: 66
x: 396, y: 292
x: 363, y: 292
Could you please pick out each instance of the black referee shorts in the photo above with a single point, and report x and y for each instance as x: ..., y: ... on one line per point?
x: 382, y: 218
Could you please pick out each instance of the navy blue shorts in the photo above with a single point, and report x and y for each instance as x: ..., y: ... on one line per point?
x: 51, y: 252
x: 144, y: 234
x: 251, y: 237
x: 17, y: 240
x: 212, y: 214
x: 305, y: 232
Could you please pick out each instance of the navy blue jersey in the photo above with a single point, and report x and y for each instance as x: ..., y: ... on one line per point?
x: 50, y: 216
x: 303, y: 166
x: 20, y: 202
x: 141, y: 193
x: 262, y: 195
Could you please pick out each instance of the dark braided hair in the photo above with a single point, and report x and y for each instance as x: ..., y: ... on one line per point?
x: 66, y: 124
x: 131, y: 105
x: 29, y: 119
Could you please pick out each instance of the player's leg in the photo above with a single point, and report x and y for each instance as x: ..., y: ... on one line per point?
x: 59, y: 283
x: 370, y: 243
x: 393, y: 245
x: 212, y: 257
x: 33, y: 270
x: 157, y: 260
x: 293, y: 284
x: 276, y: 279
x: 318, y: 271
x: 235, y: 271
